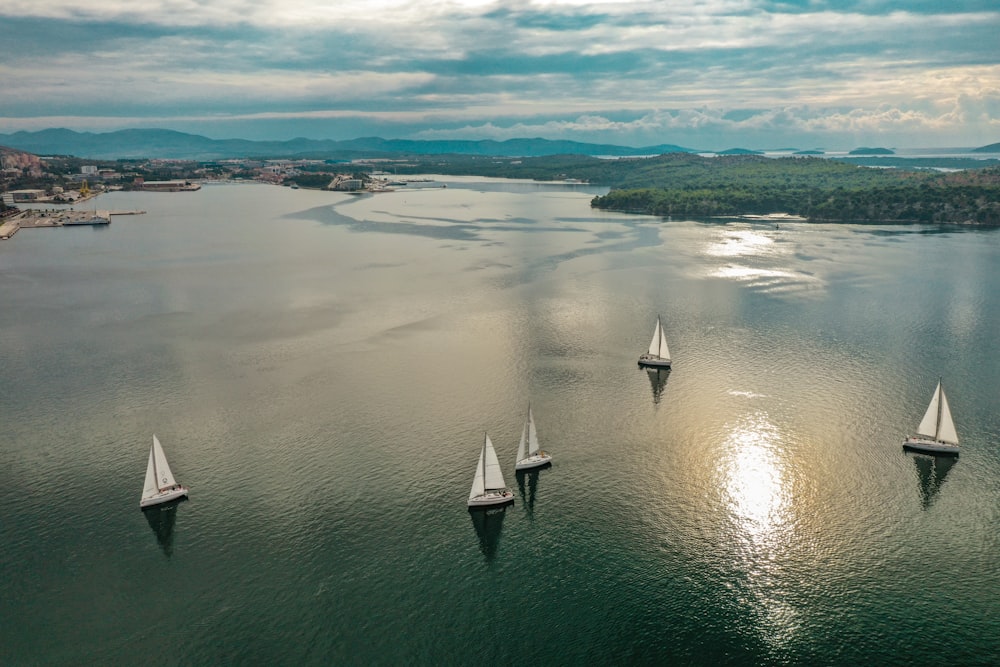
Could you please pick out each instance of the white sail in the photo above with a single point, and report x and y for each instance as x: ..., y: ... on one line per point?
x: 928, y: 425
x: 522, y: 447
x: 654, y: 345
x: 493, y: 475
x: 533, y: 446
x: 664, y: 351
x: 160, y: 485
x: 149, y: 488
x: 164, y: 478
x: 946, y: 427
x: 479, y: 481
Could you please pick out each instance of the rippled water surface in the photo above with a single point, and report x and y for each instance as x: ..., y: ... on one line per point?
x: 320, y: 369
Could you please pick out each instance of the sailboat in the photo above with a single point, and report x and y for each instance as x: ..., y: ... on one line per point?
x: 529, y: 455
x: 160, y: 486
x: 488, y: 487
x: 936, y: 433
x: 658, y: 354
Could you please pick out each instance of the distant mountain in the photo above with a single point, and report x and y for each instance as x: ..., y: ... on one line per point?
x: 168, y: 144
x: 992, y: 148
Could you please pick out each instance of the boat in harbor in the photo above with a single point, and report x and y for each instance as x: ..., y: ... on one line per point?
x: 658, y: 354
x: 160, y: 486
x: 529, y: 453
x: 488, y: 487
x: 936, y: 433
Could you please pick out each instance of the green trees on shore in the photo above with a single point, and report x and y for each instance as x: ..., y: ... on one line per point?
x: 814, y: 188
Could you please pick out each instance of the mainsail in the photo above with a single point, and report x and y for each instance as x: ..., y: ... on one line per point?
x: 493, y: 475
x: 529, y: 438
x: 658, y: 345
x: 532, y: 435
x: 479, y: 481
x: 522, y: 447
x: 937, y: 422
x: 488, y: 474
x: 654, y: 345
x: 158, y: 474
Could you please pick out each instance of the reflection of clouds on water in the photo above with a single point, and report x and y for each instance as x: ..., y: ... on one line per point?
x: 741, y: 243
x: 769, y: 280
x: 761, y: 261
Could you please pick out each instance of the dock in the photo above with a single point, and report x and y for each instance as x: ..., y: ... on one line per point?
x: 8, y: 229
x: 35, y: 218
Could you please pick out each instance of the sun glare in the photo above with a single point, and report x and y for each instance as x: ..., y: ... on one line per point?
x: 754, y: 479
x: 759, y: 504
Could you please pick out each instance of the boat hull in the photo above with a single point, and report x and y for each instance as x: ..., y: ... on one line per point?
x: 653, y: 361
x: 164, y: 497
x: 538, y: 460
x: 492, y: 499
x: 930, y: 447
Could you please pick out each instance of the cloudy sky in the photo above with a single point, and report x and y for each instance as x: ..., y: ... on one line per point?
x: 709, y: 74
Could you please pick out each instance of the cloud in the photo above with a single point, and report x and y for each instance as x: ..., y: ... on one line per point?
x: 568, y: 67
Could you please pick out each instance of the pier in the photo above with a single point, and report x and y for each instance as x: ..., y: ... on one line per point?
x: 35, y: 218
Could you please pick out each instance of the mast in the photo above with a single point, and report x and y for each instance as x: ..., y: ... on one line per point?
x: 482, y: 460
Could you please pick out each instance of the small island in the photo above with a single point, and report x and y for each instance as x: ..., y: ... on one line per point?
x: 872, y: 151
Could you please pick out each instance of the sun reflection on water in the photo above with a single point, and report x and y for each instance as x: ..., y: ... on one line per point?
x: 759, y: 507
x: 754, y: 479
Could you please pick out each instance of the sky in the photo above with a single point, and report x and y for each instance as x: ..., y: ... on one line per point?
x: 703, y: 74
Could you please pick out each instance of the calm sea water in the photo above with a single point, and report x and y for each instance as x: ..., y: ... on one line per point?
x: 321, y: 368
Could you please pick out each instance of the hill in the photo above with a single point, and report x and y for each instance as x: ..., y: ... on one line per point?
x: 168, y: 144
x: 992, y: 148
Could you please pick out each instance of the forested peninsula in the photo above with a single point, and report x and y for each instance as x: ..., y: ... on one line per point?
x: 820, y: 189
x: 817, y: 189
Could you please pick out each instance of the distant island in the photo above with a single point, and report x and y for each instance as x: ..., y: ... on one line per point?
x: 992, y: 148
x: 872, y: 151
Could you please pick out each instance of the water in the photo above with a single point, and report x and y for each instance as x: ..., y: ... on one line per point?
x: 320, y: 369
